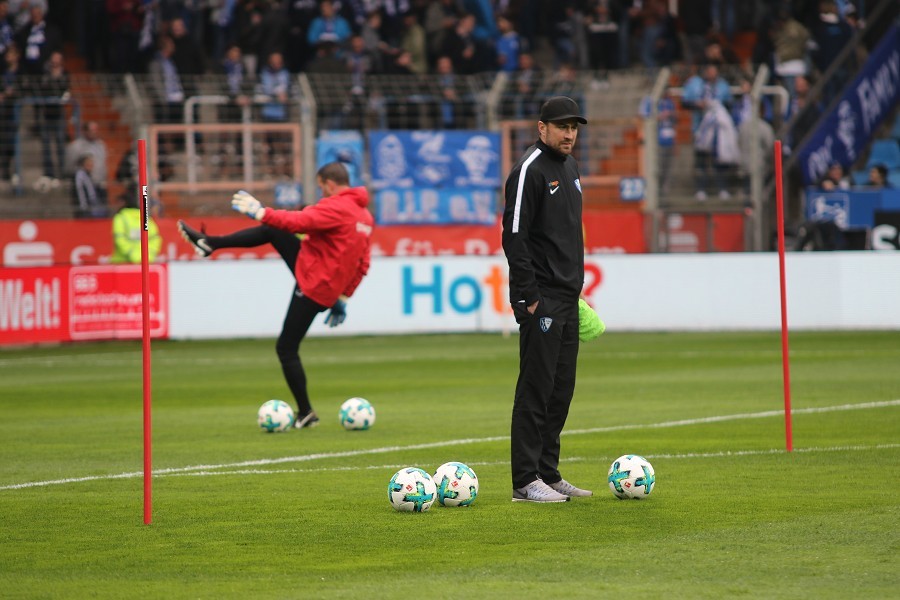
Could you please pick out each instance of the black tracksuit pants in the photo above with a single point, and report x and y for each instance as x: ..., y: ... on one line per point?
x: 548, y: 354
x: 301, y: 311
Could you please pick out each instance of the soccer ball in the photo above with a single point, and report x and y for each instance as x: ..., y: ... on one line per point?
x: 457, y: 484
x: 631, y: 476
x: 357, y: 413
x: 275, y: 416
x: 411, y: 490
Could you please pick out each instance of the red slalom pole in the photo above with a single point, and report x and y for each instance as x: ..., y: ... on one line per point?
x: 145, y: 304
x: 785, y: 359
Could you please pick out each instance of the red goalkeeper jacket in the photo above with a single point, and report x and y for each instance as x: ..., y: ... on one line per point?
x: 334, y: 257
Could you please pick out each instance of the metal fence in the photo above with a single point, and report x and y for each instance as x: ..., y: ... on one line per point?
x: 212, y: 150
x: 608, y: 147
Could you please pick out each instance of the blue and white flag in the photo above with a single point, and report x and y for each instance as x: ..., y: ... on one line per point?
x: 435, y: 159
x: 863, y: 107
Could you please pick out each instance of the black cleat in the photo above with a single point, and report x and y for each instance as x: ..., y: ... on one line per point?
x: 195, y: 239
x: 309, y: 420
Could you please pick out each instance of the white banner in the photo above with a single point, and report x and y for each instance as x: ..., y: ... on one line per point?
x: 685, y: 292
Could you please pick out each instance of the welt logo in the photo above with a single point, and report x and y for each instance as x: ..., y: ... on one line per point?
x: 30, y: 303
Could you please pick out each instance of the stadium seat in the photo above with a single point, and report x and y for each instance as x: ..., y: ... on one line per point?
x: 886, y: 152
x: 860, y: 177
x: 895, y: 132
x: 894, y: 179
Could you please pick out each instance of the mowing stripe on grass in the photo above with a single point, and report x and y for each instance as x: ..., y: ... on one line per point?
x: 161, y: 357
x: 460, y: 442
x: 571, y: 459
x: 738, y: 417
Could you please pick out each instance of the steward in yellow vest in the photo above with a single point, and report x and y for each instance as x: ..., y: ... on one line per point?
x: 126, y: 227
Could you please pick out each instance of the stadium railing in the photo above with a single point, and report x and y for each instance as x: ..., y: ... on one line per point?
x: 616, y: 144
x: 748, y: 179
x: 609, y: 146
x: 21, y: 121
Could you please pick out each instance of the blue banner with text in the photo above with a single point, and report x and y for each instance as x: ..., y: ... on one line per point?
x: 428, y: 177
x: 864, y: 105
x: 426, y: 206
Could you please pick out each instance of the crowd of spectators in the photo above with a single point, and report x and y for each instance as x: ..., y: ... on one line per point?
x: 837, y: 179
x: 118, y: 36
x: 257, y: 44
x: 31, y: 66
x: 799, y: 42
x: 796, y: 37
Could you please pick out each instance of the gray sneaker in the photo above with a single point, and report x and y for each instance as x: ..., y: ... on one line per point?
x: 564, y: 487
x: 538, y: 491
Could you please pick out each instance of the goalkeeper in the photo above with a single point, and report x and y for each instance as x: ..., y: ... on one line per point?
x: 328, y: 265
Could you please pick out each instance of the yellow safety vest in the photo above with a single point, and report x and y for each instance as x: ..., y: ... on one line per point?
x: 127, y: 237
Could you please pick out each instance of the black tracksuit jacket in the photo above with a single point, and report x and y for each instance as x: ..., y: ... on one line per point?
x: 542, y: 229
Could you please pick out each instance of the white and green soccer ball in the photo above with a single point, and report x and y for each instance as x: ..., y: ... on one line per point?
x: 631, y: 477
x: 411, y: 490
x: 275, y: 416
x: 456, y: 483
x: 357, y: 414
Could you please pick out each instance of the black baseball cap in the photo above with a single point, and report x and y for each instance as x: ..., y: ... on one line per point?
x: 561, y: 108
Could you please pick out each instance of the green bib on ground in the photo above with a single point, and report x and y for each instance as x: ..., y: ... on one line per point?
x: 590, y: 325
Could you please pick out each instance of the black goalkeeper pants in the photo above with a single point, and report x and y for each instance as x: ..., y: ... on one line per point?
x: 548, y: 354
x: 301, y: 311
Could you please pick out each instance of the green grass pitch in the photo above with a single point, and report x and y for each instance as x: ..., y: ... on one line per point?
x: 239, y: 513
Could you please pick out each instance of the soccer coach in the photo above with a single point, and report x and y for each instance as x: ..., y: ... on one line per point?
x: 544, y: 245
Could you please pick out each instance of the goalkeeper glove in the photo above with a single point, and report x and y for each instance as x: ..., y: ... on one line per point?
x: 337, y: 314
x: 246, y: 204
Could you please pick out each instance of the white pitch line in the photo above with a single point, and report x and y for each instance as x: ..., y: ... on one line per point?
x: 447, y: 443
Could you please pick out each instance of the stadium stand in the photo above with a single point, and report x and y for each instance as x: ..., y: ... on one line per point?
x: 329, y: 92
x: 884, y: 152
